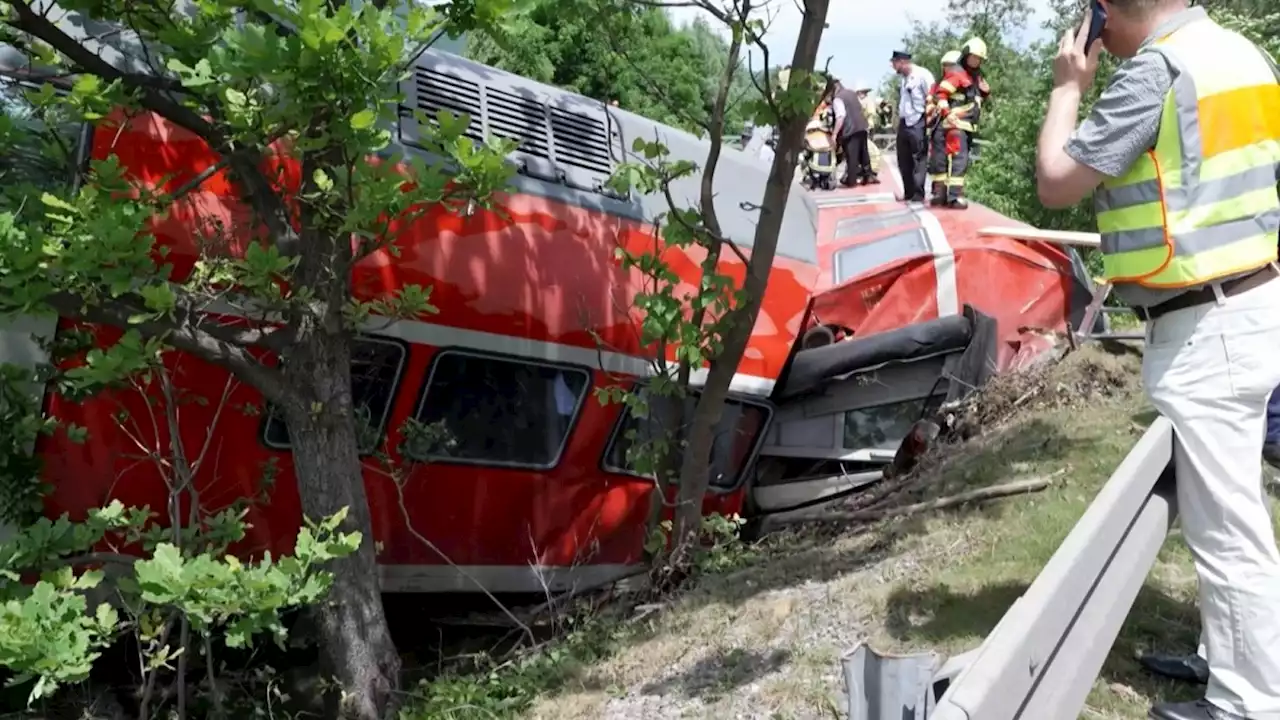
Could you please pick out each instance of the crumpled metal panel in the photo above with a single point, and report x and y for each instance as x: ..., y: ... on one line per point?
x: 884, y: 686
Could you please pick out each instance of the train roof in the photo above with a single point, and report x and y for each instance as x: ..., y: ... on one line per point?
x: 570, y: 144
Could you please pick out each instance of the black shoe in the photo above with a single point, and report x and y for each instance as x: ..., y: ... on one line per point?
x: 1271, y: 454
x: 957, y: 203
x: 1185, y: 668
x: 1195, y: 710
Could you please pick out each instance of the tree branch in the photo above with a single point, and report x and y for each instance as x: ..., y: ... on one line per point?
x: 151, y: 90
x: 225, y: 346
x: 1018, y: 487
x: 149, y: 87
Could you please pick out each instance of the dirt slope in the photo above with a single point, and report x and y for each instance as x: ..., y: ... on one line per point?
x: 764, y: 641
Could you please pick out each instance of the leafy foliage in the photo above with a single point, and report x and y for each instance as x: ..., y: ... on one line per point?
x: 297, y: 100
x: 624, y: 51
x: 51, y: 633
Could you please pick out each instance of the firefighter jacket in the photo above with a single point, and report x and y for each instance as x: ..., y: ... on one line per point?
x: 870, y: 104
x: 958, y: 98
x: 1201, y: 204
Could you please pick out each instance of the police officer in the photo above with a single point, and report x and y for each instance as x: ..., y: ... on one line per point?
x: 1183, y: 149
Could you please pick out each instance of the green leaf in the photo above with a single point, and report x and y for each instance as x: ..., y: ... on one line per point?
x: 364, y: 119
x: 54, y: 201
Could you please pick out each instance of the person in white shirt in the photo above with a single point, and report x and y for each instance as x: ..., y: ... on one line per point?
x: 912, y: 148
x: 850, y: 133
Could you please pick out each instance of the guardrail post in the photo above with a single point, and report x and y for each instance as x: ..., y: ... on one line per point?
x: 883, y: 686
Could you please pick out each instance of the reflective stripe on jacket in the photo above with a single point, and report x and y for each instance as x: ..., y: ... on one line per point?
x: 1202, y: 204
x: 959, y: 97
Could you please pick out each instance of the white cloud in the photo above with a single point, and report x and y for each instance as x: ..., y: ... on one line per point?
x: 860, y: 34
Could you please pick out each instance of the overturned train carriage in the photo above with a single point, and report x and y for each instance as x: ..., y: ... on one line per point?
x: 845, y: 408
x: 913, y: 308
x: 531, y: 490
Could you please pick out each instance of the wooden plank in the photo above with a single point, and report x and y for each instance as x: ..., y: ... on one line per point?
x: 1059, y: 237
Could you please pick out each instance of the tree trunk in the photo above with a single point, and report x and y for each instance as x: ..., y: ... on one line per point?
x: 356, y: 646
x: 694, y: 479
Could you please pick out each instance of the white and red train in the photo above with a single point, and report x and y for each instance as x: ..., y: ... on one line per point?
x: 535, y: 312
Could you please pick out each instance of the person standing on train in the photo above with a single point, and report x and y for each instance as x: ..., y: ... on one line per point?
x: 958, y: 98
x: 913, y: 94
x: 851, y: 133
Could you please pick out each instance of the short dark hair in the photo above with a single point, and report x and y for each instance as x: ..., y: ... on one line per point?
x: 1138, y: 7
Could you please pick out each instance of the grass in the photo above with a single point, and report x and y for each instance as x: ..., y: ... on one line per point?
x: 765, y: 641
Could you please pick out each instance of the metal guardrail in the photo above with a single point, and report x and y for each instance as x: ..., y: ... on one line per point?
x: 1042, y: 658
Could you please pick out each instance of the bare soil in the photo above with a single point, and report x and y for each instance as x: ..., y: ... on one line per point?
x: 765, y: 640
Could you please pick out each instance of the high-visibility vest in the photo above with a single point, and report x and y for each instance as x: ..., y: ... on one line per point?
x: 1200, y: 205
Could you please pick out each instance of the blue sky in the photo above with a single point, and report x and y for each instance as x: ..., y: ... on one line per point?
x: 861, y: 34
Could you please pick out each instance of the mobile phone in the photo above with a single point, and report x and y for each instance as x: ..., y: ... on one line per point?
x: 1096, y: 24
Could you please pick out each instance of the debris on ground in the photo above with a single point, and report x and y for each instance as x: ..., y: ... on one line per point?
x: 912, y: 481
x: 1074, y: 381
x: 920, y: 562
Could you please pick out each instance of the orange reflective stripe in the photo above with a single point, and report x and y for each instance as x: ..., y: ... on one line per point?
x: 1239, y: 118
x: 946, y: 86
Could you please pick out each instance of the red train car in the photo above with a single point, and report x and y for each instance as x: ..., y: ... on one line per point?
x: 531, y: 491
x: 901, y: 309
x: 914, y: 308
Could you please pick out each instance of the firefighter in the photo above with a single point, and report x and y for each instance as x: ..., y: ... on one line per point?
x: 950, y: 61
x: 959, y: 104
x: 869, y: 103
x: 885, y: 111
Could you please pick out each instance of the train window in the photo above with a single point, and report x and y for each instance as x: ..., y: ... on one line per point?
x: 376, y: 365
x: 860, y: 259
x: 497, y: 411
x: 883, y: 427
x: 736, y: 437
x: 853, y: 227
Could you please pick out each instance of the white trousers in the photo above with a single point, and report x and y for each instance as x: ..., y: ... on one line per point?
x: 1210, y: 370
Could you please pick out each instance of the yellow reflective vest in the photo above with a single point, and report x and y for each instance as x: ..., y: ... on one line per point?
x: 1201, y: 204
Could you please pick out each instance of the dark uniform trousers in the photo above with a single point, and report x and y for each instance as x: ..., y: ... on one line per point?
x: 857, y: 155
x: 948, y: 161
x: 912, y: 150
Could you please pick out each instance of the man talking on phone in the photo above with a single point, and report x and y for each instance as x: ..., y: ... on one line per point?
x: 1181, y: 154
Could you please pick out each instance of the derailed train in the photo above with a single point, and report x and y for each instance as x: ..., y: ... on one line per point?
x: 875, y: 313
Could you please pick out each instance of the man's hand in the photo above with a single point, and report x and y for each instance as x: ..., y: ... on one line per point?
x: 1072, y: 67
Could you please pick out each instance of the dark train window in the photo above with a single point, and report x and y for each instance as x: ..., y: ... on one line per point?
x: 861, y: 259
x: 496, y: 411
x: 883, y: 427
x: 375, y: 370
x: 736, y: 436
x: 855, y: 226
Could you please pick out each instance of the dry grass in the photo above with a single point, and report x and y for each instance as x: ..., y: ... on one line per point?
x: 764, y: 642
